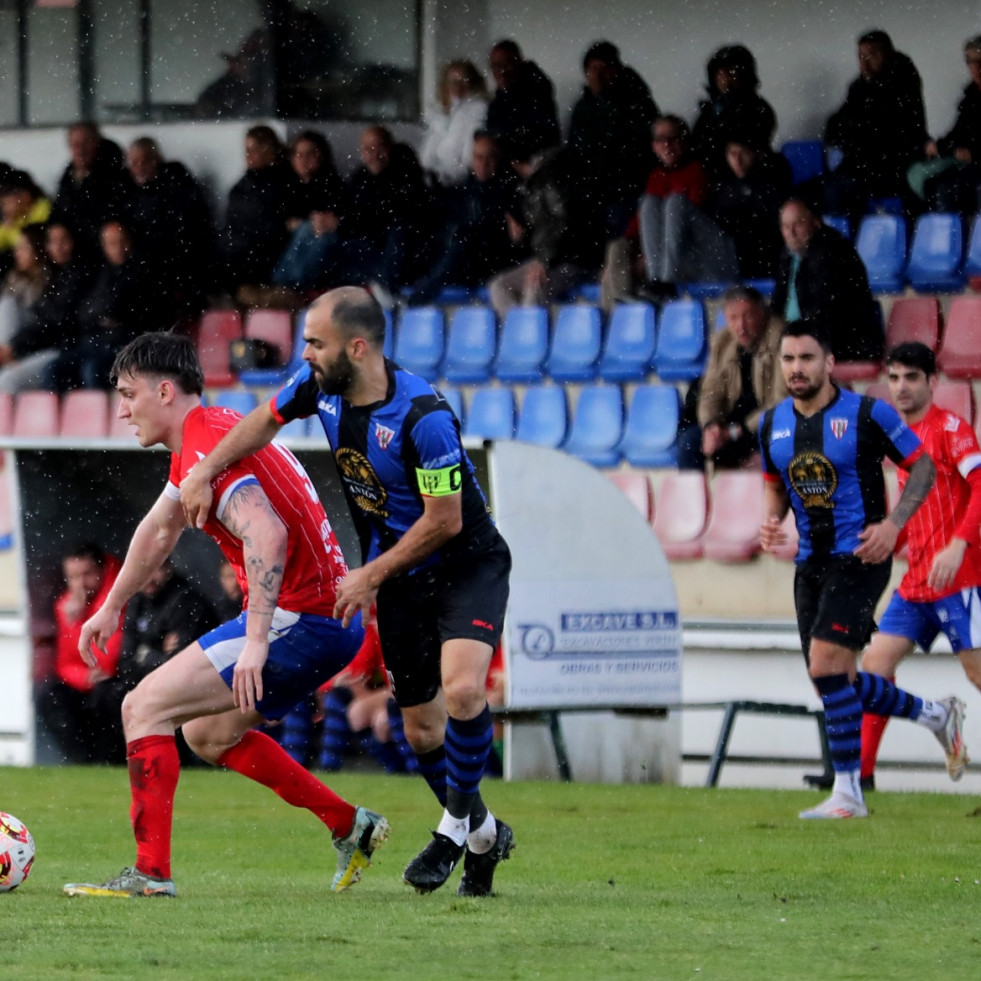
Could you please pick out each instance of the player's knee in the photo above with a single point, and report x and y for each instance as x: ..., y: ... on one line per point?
x: 465, y: 697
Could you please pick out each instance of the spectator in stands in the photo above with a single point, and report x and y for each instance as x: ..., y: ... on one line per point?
x: 678, y: 241
x: 450, y: 125
x: 554, y: 222
x: 91, y: 188
x: 880, y: 130
x: 610, y: 135
x: 168, y: 214
x: 734, y: 110
x: 51, y: 323
x: 24, y: 284
x: 822, y: 278
x: 162, y: 619
x: 125, y: 300
x: 258, y: 209
x: 321, y: 200
x: 746, y: 206
x: 388, y: 231
x: 229, y: 605
x: 68, y: 702
x: 476, y: 243
x: 522, y: 113
x: 22, y: 203
x: 742, y: 379
x: 950, y: 177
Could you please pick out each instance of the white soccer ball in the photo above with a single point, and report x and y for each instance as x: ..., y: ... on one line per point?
x: 16, y: 852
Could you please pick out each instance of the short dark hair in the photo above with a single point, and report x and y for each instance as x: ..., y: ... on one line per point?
x: 676, y: 121
x: 605, y: 51
x: 509, y: 46
x: 161, y: 353
x: 913, y: 354
x: 879, y: 38
x: 809, y: 328
x: 736, y: 294
x: 360, y: 315
x: 87, y: 550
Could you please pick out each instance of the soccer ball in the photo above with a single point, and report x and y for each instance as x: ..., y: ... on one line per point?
x: 16, y: 852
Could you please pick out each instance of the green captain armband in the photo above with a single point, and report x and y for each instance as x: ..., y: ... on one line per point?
x: 440, y: 483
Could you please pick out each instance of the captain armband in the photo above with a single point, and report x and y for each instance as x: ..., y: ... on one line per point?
x: 440, y: 483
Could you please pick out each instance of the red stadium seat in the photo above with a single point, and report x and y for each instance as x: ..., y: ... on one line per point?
x: 216, y: 330
x: 680, y: 510
x: 955, y: 396
x: 960, y: 348
x: 879, y: 390
x: 275, y: 327
x: 733, y: 532
x: 847, y: 372
x: 6, y: 413
x: 637, y: 488
x: 914, y: 318
x: 85, y: 414
x: 36, y: 415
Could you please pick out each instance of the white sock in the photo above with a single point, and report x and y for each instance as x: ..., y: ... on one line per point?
x: 933, y: 715
x: 455, y: 828
x: 481, y: 840
x: 848, y: 783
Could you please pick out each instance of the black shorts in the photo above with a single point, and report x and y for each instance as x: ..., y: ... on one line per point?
x: 459, y: 599
x: 836, y: 598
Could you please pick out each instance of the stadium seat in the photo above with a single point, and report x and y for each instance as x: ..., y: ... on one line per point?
x: 852, y: 371
x: 597, y: 425
x: 914, y: 318
x: 651, y: 431
x: 215, y: 331
x: 576, y: 342
x: 630, y: 338
x: 708, y: 289
x: 491, y: 414
x: 236, y: 400
x: 972, y: 257
x: 840, y: 224
x: 733, y: 531
x: 682, y: 345
x: 935, y: 254
x: 680, y: 510
x: 955, y: 396
x: 471, y: 345
x: 636, y: 487
x: 524, y: 345
x: 881, y: 244
x: 420, y: 340
x: 6, y: 511
x: 455, y: 397
x: 272, y: 329
x: 543, y: 417
x: 765, y: 286
x: 960, y: 346
x: 879, y: 390
x: 587, y: 291
x: 36, y: 415
x: 6, y: 413
x: 806, y: 159
x: 85, y: 414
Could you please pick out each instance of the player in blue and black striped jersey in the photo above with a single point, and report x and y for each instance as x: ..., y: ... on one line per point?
x: 822, y: 456
x: 435, y: 566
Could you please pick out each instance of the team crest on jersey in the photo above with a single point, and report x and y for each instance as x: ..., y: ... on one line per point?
x: 384, y: 435
x: 366, y: 490
x: 838, y: 427
x: 814, y: 478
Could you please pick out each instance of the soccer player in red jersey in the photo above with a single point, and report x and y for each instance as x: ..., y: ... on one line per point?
x: 270, y: 525
x: 940, y: 591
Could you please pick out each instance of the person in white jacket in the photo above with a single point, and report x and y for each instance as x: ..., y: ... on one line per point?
x: 461, y: 110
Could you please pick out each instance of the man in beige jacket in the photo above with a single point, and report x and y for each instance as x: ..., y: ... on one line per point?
x: 741, y: 380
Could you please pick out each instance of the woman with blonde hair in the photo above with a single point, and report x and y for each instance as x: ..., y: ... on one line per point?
x: 461, y: 111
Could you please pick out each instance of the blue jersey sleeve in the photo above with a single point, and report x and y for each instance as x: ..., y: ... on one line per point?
x: 440, y: 454
x: 899, y: 441
x: 297, y: 399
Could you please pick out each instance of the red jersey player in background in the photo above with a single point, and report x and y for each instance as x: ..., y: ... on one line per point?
x: 271, y: 527
x: 940, y: 591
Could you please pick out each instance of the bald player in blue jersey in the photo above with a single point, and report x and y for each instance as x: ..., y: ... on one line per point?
x: 822, y: 454
x: 435, y: 565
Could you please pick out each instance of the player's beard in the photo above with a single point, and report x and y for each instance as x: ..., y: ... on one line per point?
x: 808, y: 392
x: 336, y: 378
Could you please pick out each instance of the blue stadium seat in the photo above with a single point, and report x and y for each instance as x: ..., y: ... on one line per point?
x: 881, y: 244
x: 276, y: 376
x: 681, y: 341
x: 650, y: 434
x: 806, y: 159
x: 544, y: 417
x: 935, y: 254
x: 588, y: 292
x: 420, y: 340
x: 840, y: 224
x: 597, y: 426
x: 576, y: 343
x: 455, y: 397
x: 491, y: 414
x: 243, y: 402
x: 709, y: 289
x: 630, y: 339
x: 524, y: 345
x: 471, y: 345
x: 972, y: 261
x: 765, y: 286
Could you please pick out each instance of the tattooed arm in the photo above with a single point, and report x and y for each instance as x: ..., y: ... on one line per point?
x: 249, y: 516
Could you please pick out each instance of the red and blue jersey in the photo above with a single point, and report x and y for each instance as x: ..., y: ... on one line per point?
x: 314, y: 563
x: 830, y: 464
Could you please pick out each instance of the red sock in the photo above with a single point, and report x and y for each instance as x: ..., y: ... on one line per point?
x: 154, y: 768
x: 262, y: 759
x: 873, y: 728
